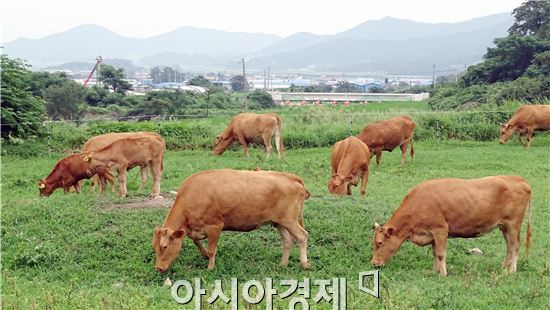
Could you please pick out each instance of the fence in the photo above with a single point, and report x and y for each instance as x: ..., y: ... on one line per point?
x: 302, y: 128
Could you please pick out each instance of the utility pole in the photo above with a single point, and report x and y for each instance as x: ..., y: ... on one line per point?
x: 433, y: 77
x: 245, y: 87
x: 268, y: 78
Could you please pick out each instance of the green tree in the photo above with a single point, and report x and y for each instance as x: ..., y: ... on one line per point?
x: 65, y: 101
x: 200, y: 81
x: 42, y: 80
x: 95, y: 95
x: 507, y: 61
x: 261, y: 99
x: 22, y: 113
x: 114, y: 78
x: 237, y: 82
x: 532, y: 18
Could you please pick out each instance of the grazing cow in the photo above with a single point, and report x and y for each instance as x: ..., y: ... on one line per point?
x: 130, y: 152
x: 101, y: 141
x: 387, y: 135
x: 528, y: 118
x: 245, y: 127
x: 350, y: 162
x: 211, y: 201
x: 68, y: 172
x: 454, y: 208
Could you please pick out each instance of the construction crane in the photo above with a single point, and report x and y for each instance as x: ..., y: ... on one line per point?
x: 98, y: 63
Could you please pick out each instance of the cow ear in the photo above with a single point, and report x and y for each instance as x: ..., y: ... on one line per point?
x: 391, y: 231
x: 157, y: 231
x: 178, y: 233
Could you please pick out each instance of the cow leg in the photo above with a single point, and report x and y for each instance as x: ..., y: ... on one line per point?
x: 267, y: 143
x: 300, y: 235
x: 404, y: 152
x: 122, y: 181
x: 513, y: 232
x: 364, y: 180
x: 437, y: 264
x: 529, y: 136
x: 348, y: 192
x: 157, y: 175
x: 77, y: 187
x: 439, y: 249
x: 102, y: 183
x: 507, y: 259
x: 213, y: 235
x: 520, y: 136
x: 199, y: 245
x: 242, y: 140
x: 93, y: 180
x: 378, y: 156
x: 286, y: 239
x: 143, y: 170
x: 111, y: 180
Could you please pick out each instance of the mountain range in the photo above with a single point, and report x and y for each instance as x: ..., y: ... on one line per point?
x: 387, y: 45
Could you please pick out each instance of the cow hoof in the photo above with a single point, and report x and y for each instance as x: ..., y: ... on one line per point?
x: 363, y: 193
x: 306, y: 266
x: 157, y: 197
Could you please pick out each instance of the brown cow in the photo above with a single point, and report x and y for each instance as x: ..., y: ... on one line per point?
x: 127, y: 153
x: 387, y: 135
x: 350, y: 162
x: 101, y: 141
x: 68, y: 172
x: 454, y: 208
x: 245, y: 127
x: 211, y: 201
x: 528, y: 118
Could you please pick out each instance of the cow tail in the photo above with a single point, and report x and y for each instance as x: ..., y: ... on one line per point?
x: 529, y: 232
x: 280, y: 131
x: 412, y: 151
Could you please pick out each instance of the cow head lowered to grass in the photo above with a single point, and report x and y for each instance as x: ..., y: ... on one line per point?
x: 167, y: 244
x: 223, y: 141
x: 386, y: 243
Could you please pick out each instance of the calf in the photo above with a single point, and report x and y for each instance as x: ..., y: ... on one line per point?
x: 350, y: 162
x: 101, y: 141
x: 454, y: 208
x: 211, y: 201
x: 245, y: 127
x: 68, y: 172
x: 528, y: 118
x: 387, y: 135
x: 127, y: 153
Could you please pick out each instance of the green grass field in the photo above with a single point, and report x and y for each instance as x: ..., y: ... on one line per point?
x: 77, y: 251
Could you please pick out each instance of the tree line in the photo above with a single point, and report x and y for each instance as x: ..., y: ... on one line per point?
x: 516, y: 68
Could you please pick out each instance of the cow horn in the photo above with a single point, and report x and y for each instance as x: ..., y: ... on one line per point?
x: 85, y: 158
x: 376, y: 225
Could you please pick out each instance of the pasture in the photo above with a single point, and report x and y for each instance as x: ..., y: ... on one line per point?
x: 83, y: 251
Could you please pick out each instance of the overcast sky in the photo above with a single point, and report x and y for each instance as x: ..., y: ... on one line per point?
x: 134, y: 18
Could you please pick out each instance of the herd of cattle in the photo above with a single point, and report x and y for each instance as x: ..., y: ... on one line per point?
x: 209, y: 202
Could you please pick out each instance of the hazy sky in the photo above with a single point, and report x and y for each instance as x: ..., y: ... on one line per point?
x: 37, y: 18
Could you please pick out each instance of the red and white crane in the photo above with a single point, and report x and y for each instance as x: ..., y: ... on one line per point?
x: 98, y: 63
